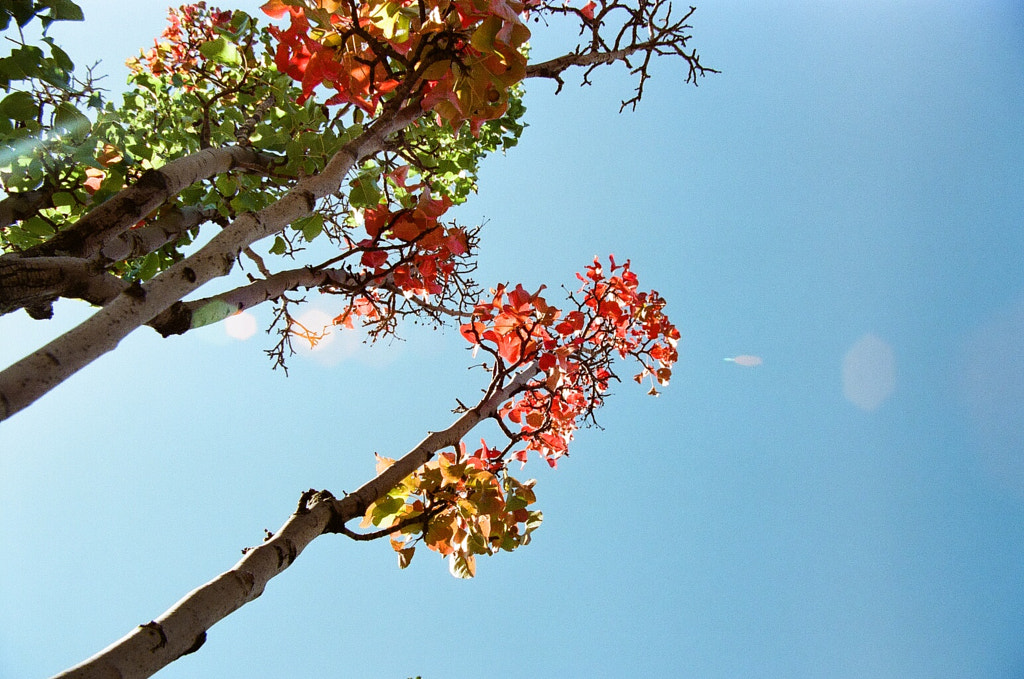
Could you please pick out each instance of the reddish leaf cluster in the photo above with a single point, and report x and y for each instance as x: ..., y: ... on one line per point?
x: 463, y: 505
x: 575, y: 351
x: 315, y: 62
x: 426, y: 249
x: 407, y: 249
x: 461, y: 56
x: 189, y: 27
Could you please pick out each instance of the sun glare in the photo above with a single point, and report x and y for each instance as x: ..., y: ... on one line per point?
x: 869, y: 373
x: 240, y: 326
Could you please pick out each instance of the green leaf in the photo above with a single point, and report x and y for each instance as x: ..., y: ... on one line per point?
x: 364, y: 193
x: 86, y: 155
x: 66, y: 117
x: 21, y: 10
x: 19, y: 238
x: 392, y: 21
x: 150, y: 265
x: 221, y: 50
x: 37, y: 227
x: 141, y: 151
x: 311, y: 226
x: 63, y: 199
x: 246, y: 201
x: 23, y: 62
x: 19, y: 106
x: 240, y: 22
x: 226, y: 185
x: 279, y: 246
x: 65, y: 10
x: 483, y: 37
x: 385, y: 509
x: 515, y: 502
x: 61, y: 57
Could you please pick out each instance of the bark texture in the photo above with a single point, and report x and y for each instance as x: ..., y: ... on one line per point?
x: 18, y: 206
x: 154, y: 188
x: 168, y: 228
x: 33, y: 283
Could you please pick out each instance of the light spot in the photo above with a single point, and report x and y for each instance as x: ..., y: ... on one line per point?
x: 869, y: 373
x: 240, y: 326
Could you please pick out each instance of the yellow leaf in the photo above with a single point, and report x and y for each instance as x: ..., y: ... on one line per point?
x: 368, y: 516
x: 383, y: 463
x: 462, y: 565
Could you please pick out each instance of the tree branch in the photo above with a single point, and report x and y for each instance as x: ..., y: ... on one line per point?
x: 156, y: 644
x: 33, y: 376
x: 182, y: 629
x: 34, y: 283
x: 553, y: 68
x: 18, y: 206
x: 179, y: 318
x: 153, y: 189
x: 167, y: 228
x: 355, y: 504
x: 617, y: 30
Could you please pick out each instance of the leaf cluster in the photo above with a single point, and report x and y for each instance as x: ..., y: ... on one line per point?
x: 211, y: 81
x: 460, y: 506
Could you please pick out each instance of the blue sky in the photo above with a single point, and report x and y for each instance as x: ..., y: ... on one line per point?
x: 849, y: 191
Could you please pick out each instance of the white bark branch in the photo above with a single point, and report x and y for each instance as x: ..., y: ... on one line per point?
x: 182, y: 629
x: 153, y: 189
x: 33, y: 376
x: 184, y: 316
x: 155, y: 234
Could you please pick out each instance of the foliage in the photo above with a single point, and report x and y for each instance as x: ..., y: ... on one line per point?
x: 345, y: 133
x: 462, y: 505
x: 43, y: 132
x: 217, y: 78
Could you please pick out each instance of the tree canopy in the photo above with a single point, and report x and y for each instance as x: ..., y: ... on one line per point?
x: 343, y: 133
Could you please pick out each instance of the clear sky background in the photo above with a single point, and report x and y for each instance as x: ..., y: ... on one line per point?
x: 846, y: 200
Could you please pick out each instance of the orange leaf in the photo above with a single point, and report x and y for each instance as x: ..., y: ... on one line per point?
x: 275, y: 9
x: 94, y: 179
x: 109, y: 156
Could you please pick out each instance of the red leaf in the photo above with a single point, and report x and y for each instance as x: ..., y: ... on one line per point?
x: 472, y: 331
x: 374, y: 259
